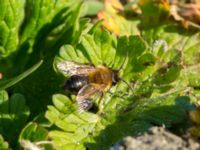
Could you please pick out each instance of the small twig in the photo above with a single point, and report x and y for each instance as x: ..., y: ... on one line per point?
x: 28, y: 145
x: 43, y: 142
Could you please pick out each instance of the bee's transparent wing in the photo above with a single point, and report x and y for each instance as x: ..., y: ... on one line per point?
x: 71, y: 68
x: 85, y: 94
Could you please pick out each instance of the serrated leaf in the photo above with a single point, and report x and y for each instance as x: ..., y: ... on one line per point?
x: 156, y: 74
x: 89, y: 46
x: 33, y: 135
x: 33, y: 132
x: 105, y: 42
x: 191, y: 50
x: 61, y: 102
x: 41, y: 13
x: 62, y: 27
x: 11, y: 18
x: 121, y: 52
x: 90, y: 50
x: 75, y: 126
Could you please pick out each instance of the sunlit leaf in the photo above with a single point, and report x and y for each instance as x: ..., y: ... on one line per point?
x: 3, y: 144
x: 11, y: 18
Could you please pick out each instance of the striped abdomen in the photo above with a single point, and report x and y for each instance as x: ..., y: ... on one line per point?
x: 75, y: 83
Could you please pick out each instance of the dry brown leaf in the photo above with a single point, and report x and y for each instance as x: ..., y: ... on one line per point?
x: 113, y: 19
x: 186, y: 13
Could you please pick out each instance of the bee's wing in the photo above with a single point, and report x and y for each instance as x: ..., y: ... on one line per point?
x: 83, y: 98
x: 71, y: 68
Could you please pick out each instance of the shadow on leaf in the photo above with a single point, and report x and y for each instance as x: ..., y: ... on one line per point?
x: 136, y: 122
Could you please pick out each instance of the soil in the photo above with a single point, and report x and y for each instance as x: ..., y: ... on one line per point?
x: 157, y: 138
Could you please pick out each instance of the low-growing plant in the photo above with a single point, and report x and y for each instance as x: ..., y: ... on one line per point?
x: 159, y: 60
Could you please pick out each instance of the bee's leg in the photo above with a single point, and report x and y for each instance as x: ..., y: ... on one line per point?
x: 120, y: 94
x: 101, y: 105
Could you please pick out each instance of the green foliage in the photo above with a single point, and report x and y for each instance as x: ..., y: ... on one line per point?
x: 158, y: 59
x: 13, y: 115
x: 46, y: 27
x: 3, y: 144
x: 11, y: 18
x: 156, y: 77
x: 33, y: 132
x: 76, y: 127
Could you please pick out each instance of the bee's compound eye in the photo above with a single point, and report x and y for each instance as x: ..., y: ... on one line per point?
x: 84, y: 105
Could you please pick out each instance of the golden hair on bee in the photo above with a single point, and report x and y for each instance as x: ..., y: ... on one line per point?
x: 86, y: 81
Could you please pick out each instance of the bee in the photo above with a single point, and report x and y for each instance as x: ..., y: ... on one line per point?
x: 85, y: 81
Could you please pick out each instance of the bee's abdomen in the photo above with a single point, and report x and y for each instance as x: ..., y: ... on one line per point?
x: 75, y: 83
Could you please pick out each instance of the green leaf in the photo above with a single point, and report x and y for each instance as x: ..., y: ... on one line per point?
x: 92, y: 7
x: 156, y: 74
x: 105, y: 42
x: 81, y: 124
x: 4, y: 98
x: 62, y: 26
x: 121, y: 52
x: 194, y: 80
x: 89, y: 46
x: 62, y: 103
x: 67, y: 52
x: 191, y: 50
x: 10, y: 82
x: 154, y: 10
x: 40, y: 14
x: 136, y: 47
x: 167, y: 75
x: 11, y: 17
x: 3, y: 144
x: 13, y: 115
x: 91, y: 50
x: 33, y: 132
x: 17, y: 104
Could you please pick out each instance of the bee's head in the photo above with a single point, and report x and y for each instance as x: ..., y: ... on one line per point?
x: 115, y: 77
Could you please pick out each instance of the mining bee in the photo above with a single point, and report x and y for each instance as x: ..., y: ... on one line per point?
x: 85, y: 81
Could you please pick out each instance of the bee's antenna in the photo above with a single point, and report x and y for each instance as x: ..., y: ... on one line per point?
x: 121, y: 68
x: 127, y: 84
x: 123, y: 62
